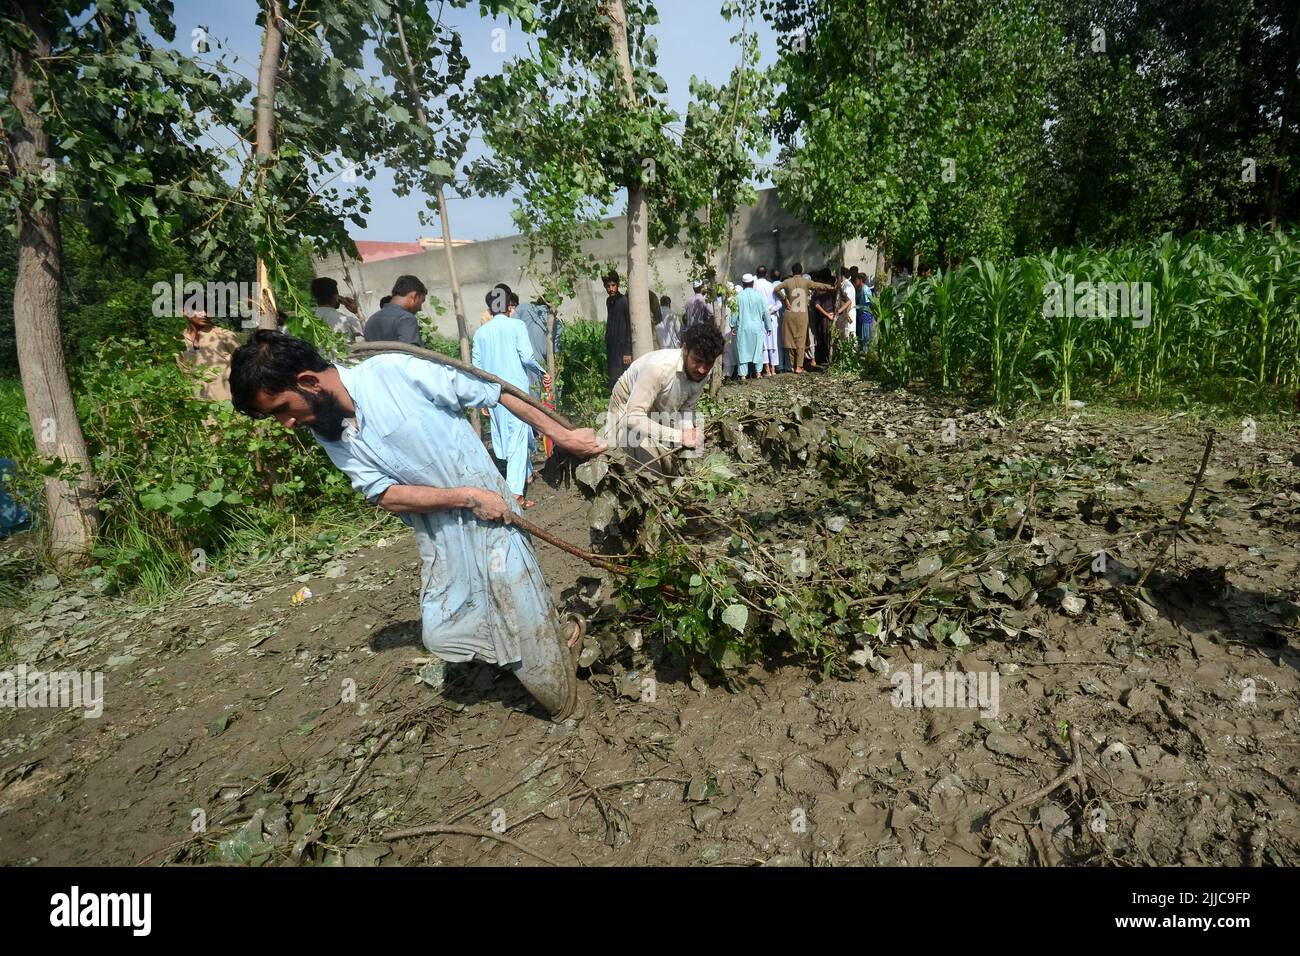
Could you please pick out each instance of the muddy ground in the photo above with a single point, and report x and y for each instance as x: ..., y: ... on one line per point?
x: 240, y: 727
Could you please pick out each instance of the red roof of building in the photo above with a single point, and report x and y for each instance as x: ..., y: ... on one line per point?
x: 371, y: 251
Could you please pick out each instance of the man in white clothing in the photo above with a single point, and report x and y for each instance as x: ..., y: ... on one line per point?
x: 326, y: 293
x: 651, y: 409
x: 771, y: 342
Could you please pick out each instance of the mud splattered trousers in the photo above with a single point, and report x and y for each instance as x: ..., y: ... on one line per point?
x: 483, y: 597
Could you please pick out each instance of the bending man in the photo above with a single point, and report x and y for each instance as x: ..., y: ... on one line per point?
x: 651, y: 411
x: 396, y: 426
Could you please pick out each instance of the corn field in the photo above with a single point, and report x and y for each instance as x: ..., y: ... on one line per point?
x: 1208, y: 317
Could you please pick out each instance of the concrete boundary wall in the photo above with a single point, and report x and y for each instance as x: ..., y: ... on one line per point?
x: 764, y: 234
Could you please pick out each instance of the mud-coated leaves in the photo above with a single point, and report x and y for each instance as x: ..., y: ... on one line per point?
x: 591, y: 473
x: 604, y: 512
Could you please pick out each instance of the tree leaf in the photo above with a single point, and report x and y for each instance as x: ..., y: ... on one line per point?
x: 737, y: 615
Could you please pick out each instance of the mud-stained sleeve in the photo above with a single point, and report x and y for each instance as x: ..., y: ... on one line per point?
x: 366, y: 479
x: 449, y: 388
x: 638, y: 419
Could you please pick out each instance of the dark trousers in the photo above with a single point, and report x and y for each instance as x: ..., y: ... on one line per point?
x: 822, y: 330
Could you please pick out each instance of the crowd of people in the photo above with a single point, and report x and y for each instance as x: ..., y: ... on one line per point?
x: 772, y: 323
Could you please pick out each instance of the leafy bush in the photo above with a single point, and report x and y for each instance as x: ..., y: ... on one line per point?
x: 582, y: 371
x: 442, y: 344
x: 183, y: 482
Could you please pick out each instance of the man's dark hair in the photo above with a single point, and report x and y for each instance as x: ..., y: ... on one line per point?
x: 385, y: 300
x: 269, y: 362
x: 498, y: 298
x: 324, y: 289
x: 796, y: 269
x: 761, y: 272
x: 405, y: 285
x: 703, y: 340
x: 612, y: 277
x: 514, y: 299
x: 664, y: 300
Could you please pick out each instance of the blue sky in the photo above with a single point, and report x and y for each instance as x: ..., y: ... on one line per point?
x: 693, y: 40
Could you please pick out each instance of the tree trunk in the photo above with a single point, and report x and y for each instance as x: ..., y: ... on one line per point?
x: 70, y: 508
x: 551, y: 308
x: 268, y: 73
x: 638, y: 209
x: 457, y: 301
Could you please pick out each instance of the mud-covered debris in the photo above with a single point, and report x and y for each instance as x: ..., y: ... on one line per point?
x: 247, y: 847
x: 949, y: 787
x: 1005, y: 744
x: 703, y: 816
x: 368, y: 854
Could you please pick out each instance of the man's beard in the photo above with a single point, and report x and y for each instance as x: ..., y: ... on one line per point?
x: 329, y: 414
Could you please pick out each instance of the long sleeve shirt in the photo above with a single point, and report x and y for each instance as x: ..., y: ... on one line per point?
x: 345, y: 323
x: 698, y: 309
x: 650, y: 402
x: 798, y: 291
x: 668, y: 333
x: 210, y: 350
x: 535, y: 316
x: 481, y: 587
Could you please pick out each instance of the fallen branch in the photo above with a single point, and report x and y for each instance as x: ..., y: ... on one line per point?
x: 1074, y: 772
x: 467, y: 831
x: 318, y: 827
x: 1187, y: 506
x: 572, y: 549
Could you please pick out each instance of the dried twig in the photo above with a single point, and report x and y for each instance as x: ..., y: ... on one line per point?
x: 1074, y: 772
x: 351, y: 785
x: 467, y: 831
x: 1187, y: 506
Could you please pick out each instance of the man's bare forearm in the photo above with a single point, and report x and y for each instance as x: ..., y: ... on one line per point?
x: 582, y: 443
x: 416, y: 499
x: 530, y: 415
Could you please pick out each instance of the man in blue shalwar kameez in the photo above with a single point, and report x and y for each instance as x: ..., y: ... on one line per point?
x: 751, y: 323
x: 502, y: 347
x: 396, y: 426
